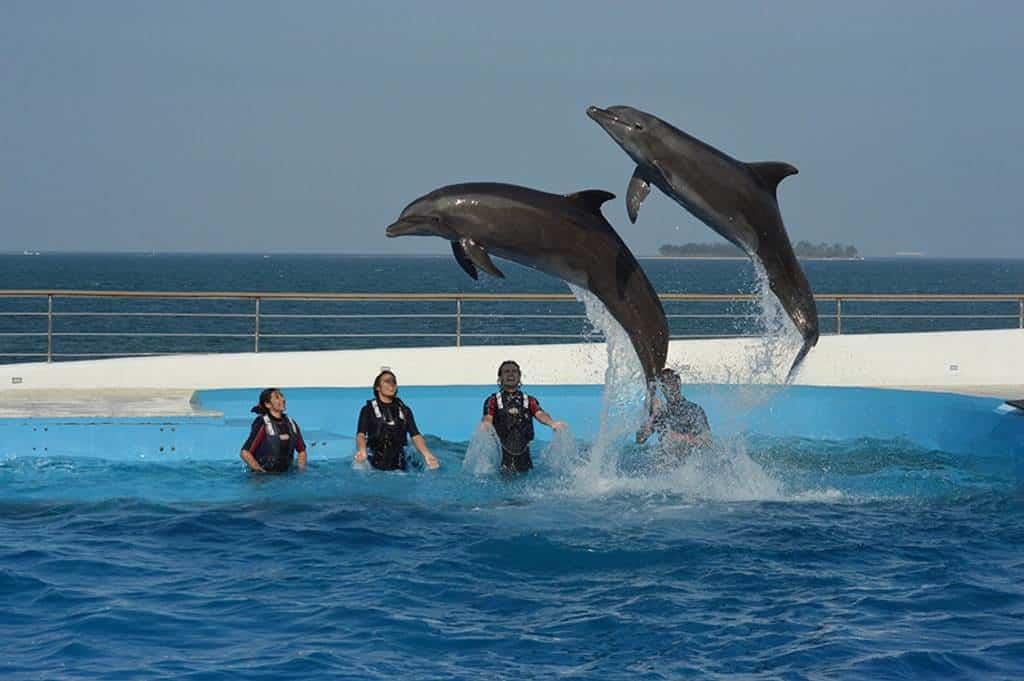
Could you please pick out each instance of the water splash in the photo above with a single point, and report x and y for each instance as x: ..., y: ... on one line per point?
x: 779, y: 338
x: 622, y: 403
x: 770, y: 343
x: 614, y: 463
x: 483, y: 456
x: 725, y: 472
x: 562, y: 455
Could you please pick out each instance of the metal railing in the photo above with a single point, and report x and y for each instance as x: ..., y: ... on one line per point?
x: 243, y: 320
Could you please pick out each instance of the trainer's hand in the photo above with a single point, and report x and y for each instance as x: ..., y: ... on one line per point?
x: 557, y: 425
x: 432, y: 462
x: 360, y: 456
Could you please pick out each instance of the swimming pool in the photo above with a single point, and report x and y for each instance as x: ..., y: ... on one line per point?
x: 830, y: 532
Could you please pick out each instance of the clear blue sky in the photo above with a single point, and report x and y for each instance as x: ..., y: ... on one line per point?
x: 307, y: 126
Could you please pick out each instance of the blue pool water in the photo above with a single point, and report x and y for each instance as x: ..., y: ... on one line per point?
x: 830, y: 533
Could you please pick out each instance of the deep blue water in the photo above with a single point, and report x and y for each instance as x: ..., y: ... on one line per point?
x: 771, y: 557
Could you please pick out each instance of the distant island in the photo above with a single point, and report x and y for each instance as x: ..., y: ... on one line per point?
x: 803, y: 249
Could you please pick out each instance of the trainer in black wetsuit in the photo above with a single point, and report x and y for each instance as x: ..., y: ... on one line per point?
x: 679, y: 423
x: 385, y: 423
x: 511, y: 412
x: 274, y: 438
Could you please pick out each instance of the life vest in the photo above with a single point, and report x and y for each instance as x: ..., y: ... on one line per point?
x: 513, y: 422
x: 386, y: 442
x: 275, y: 454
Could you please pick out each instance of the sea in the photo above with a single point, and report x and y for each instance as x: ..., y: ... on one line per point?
x: 767, y: 558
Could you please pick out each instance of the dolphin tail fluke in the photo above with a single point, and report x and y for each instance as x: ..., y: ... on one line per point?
x: 808, y: 344
x: 652, y: 390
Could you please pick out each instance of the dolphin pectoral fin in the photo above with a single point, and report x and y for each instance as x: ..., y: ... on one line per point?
x: 592, y: 199
x: 464, y: 262
x: 478, y: 255
x: 639, y: 188
x: 771, y: 173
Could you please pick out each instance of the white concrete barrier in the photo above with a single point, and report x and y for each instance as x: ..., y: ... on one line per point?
x: 980, y: 362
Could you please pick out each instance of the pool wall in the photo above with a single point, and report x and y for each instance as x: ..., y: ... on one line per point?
x: 932, y: 421
x: 197, y: 406
x: 972, y: 361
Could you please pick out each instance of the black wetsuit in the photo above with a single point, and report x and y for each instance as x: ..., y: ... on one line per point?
x: 386, y: 428
x: 513, y: 415
x: 266, y: 442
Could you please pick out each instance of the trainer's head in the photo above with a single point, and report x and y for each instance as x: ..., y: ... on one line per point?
x: 386, y: 376
x: 509, y: 375
x: 266, y: 401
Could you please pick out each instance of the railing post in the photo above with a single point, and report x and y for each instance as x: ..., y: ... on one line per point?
x: 839, y: 316
x: 1021, y: 313
x: 458, y: 322
x: 49, y: 328
x: 256, y: 330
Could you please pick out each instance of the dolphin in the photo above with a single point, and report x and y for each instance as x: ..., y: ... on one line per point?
x: 736, y: 199
x: 565, y: 236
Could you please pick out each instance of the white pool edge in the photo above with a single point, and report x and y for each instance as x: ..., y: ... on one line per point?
x: 972, y: 362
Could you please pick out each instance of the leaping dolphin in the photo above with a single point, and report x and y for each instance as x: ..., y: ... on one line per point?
x: 564, y: 236
x: 737, y: 200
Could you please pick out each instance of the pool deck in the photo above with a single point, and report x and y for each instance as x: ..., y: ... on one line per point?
x: 984, y: 363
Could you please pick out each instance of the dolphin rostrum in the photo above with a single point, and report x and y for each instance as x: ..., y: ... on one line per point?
x: 564, y: 236
x: 735, y: 199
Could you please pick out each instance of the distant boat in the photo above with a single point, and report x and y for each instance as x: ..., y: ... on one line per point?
x: 909, y: 254
x: 28, y: 252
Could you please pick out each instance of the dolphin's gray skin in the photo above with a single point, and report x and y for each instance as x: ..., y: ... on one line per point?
x: 564, y: 236
x: 735, y: 199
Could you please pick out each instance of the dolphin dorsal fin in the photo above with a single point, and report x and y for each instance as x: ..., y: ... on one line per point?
x: 771, y: 173
x: 592, y: 199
